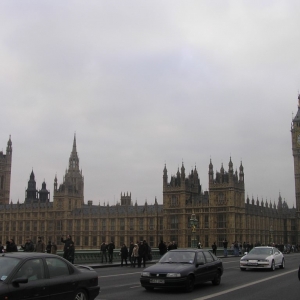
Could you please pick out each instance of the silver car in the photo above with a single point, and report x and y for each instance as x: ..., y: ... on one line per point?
x: 262, y: 258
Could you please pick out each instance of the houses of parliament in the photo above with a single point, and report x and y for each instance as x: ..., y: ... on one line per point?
x: 222, y: 212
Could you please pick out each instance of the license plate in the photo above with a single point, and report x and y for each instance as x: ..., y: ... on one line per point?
x: 252, y: 264
x: 157, y: 281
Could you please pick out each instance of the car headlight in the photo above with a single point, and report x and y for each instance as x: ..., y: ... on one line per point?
x: 146, y: 274
x: 173, y: 275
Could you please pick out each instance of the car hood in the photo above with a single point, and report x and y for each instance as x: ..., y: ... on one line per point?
x: 169, y: 267
x: 255, y: 256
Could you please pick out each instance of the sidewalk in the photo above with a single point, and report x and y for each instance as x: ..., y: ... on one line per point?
x: 118, y: 263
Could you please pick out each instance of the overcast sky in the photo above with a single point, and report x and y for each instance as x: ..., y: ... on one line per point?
x: 144, y: 83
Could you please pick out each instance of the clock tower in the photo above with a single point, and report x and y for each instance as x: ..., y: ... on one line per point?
x: 295, y: 130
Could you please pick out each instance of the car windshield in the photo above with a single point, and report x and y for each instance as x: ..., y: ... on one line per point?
x: 178, y: 257
x: 7, y: 264
x: 261, y: 251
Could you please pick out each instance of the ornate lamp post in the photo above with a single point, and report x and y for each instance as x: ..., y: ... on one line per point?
x: 193, y: 226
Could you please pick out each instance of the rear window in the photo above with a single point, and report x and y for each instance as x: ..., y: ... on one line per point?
x: 7, y: 264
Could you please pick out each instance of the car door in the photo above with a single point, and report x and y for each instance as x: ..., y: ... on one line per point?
x: 33, y: 272
x: 202, y: 269
x: 62, y: 282
x: 210, y: 265
x: 277, y: 256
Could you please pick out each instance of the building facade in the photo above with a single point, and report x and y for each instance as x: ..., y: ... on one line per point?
x: 187, y: 215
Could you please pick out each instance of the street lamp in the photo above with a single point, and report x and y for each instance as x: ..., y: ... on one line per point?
x: 193, y: 226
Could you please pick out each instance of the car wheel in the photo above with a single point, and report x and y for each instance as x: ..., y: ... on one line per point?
x: 149, y: 288
x: 272, y: 266
x: 282, y: 264
x: 190, y: 283
x: 243, y: 269
x: 81, y: 295
x: 217, y: 279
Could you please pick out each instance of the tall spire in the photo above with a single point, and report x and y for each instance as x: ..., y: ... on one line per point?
x: 74, y: 160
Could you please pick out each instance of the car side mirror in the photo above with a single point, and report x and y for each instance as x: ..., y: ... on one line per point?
x: 200, y: 263
x: 20, y: 280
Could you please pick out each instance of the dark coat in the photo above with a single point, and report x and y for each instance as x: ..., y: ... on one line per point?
x: 124, y: 252
x: 28, y: 247
x: 11, y: 247
x: 110, y: 248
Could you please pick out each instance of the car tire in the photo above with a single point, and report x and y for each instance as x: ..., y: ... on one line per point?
x: 81, y: 295
x: 217, y: 279
x: 243, y: 269
x: 190, y: 284
x: 272, y: 266
x: 282, y: 264
x: 149, y: 288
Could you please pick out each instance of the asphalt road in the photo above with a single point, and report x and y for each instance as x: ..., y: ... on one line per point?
x: 119, y: 283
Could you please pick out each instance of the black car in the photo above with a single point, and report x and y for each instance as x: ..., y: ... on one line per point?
x: 30, y: 275
x: 183, y: 268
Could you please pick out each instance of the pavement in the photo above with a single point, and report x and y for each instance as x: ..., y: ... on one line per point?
x: 118, y: 263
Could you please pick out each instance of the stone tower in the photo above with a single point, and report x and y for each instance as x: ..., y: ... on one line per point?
x: 5, y: 173
x: 70, y: 194
x: 31, y: 191
x: 295, y: 130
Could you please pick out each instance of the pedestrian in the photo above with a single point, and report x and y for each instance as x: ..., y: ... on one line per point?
x: 40, y: 246
x: 71, y: 253
x: 28, y: 246
x: 1, y: 247
x: 236, y: 248
x: 11, y: 246
x: 103, y: 249
x: 48, y: 247
x: 131, y: 246
x: 143, y: 253
x: 199, y: 245
x: 68, y: 241
x: 214, y: 248
x: 135, y: 255
x: 162, y: 248
x: 110, y: 250
x: 53, y: 248
x: 225, y: 244
x: 124, y: 254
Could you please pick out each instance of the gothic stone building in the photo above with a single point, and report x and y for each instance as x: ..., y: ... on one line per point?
x: 221, y: 212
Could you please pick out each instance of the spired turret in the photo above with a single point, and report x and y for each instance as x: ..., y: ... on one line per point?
x: 70, y: 194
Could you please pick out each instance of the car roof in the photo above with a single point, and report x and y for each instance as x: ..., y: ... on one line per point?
x: 268, y: 247
x: 187, y: 250
x: 26, y: 254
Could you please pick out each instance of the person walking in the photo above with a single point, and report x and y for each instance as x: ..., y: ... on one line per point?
x: 225, y: 244
x: 68, y: 241
x: 40, y: 246
x: 130, y: 252
x: 135, y: 255
x: 162, y: 248
x: 103, y: 249
x: 1, y: 247
x: 71, y: 253
x: 48, y: 247
x: 110, y: 250
x: 53, y: 248
x: 214, y: 248
x: 143, y: 253
x: 28, y: 246
x: 124, y: 254
x: 11, y: 246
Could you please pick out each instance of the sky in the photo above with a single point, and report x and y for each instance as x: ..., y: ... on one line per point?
x: 148, y: 83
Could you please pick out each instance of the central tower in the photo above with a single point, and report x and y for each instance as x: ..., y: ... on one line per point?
x: 69, y: 194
